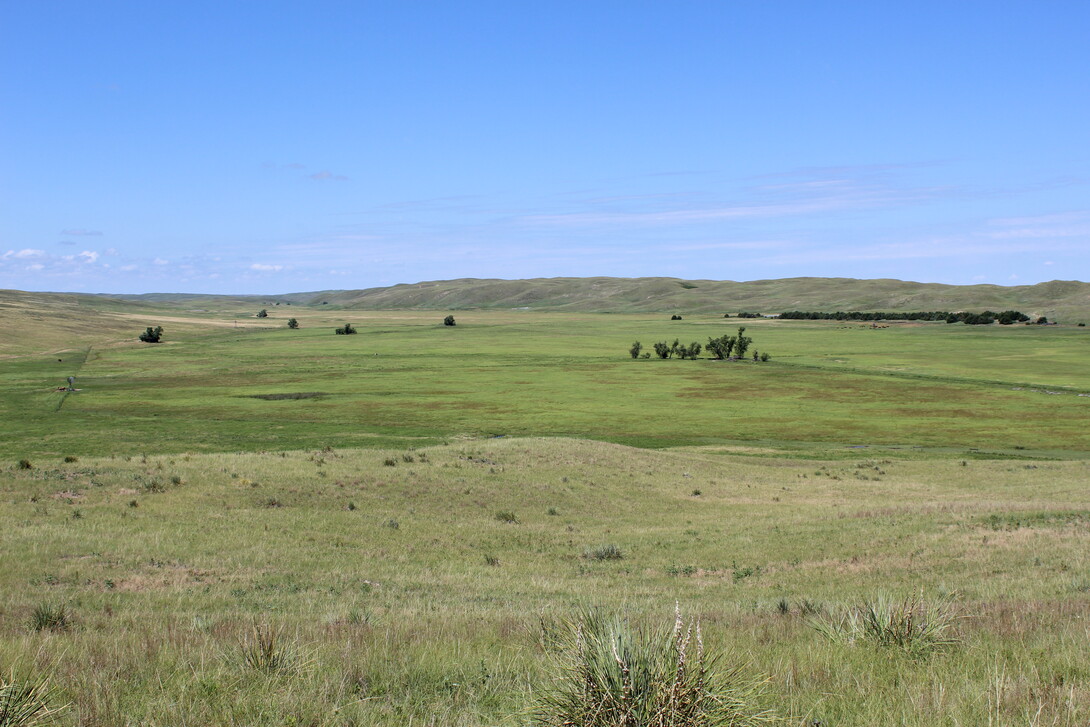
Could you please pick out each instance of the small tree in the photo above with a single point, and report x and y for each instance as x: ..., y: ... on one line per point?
x: 152, y: 335
x: 635, y: 350
x: 293, y: 323
x: 675, y: 317
x: 741, y: 344
x: 449, y: 321
x: 721, y: 347
x: 263, y: 313
x: 348, y: 330
x: 662, y: 350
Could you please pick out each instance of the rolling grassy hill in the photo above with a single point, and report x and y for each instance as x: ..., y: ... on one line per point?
x: 1068, y: 301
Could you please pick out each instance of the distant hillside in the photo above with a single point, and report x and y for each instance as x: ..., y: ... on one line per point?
x: 1065, y: 300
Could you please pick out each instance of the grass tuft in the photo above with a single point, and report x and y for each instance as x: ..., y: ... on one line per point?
x: 51, y: 617
x: 911, y: 625
x: 603, y: 552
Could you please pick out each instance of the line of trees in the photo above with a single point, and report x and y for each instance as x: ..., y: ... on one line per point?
x: 723, y: 348
x: 1005, y: 318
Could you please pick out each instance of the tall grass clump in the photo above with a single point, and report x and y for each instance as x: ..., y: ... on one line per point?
x: 912, y: 625
x: 25, y: 702
x: 603, y: 552
x: 609, y: 674
x: 51, y: 617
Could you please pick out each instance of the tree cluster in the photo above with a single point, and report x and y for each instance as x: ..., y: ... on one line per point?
x: 675, y: 317
x: 746, y: 314
x: 347, y: 330
x: 725, y: 347
x: 1005, y: 318
x: 263, y: 313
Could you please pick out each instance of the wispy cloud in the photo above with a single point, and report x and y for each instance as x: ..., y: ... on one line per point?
x: 24, y: 254
x: 326, y: 175
x: 262, y: 267
x: 80, y: 232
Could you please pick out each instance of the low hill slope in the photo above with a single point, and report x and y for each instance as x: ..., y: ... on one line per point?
x: 1066, y: 300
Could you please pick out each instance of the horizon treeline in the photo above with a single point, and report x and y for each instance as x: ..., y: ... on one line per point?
x: 1006, y: 317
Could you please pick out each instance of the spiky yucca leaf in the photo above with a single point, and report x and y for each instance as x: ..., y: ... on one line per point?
x: 610, y: 674
x: 24, y: 702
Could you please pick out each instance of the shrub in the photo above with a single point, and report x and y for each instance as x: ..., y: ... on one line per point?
x: 506, y: 516
x: 675, y: 317
x: 152, y: 335
x: 609, y: 674
x: 449, y: 321
x: 603, y: 552
x: 24, y: 702
x: 765, y: 357
x: 293, y: 323
x: 634, y: 351
x: 71, y: 458
x: 911, y: 625
x: 51, y: 617
x: 25, y: 464
x: 263, y: 313
x: 347, y: 330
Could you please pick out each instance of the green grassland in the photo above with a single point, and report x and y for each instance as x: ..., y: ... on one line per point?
x: 415, y: 507
x: 409, y: 596
x: 405, y: 378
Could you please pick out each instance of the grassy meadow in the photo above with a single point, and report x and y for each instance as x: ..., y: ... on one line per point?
x: 250, y: 525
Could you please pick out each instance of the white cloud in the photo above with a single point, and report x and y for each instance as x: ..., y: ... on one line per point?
x: 266, y: 268
x: 35, y: 267
x: 160, y: 261
x: 89, y: 256
x: 24, y: 254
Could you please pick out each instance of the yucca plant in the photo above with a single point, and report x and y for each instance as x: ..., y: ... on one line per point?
x: 25, y: 702
x: 912, y: 625
x: 610, y: 674
x: 266, y: 649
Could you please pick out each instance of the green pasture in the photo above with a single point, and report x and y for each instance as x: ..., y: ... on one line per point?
x: 404, y: 378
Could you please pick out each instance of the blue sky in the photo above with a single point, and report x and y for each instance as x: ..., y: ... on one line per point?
x: 263, y: 147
